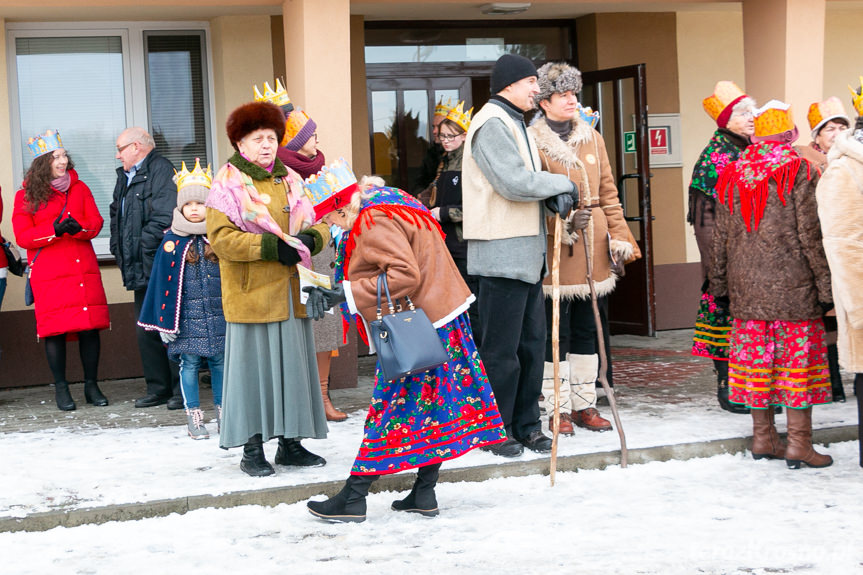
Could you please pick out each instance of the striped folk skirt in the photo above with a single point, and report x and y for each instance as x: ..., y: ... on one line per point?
x: 712, y: 330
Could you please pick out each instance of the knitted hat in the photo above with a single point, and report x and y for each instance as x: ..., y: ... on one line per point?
x: 822, y: 112
x: 772, y: 119
x: 509, y: 69
x: 557, y: 78
x: 192, y: 186
x: 298, y: 129
x: 254, y: 116
x: 720, y: 104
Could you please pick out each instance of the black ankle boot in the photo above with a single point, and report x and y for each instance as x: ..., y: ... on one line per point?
x: 94, y: 395
x: 422, y: 498
x: 63, y: 397
x: 254, y: 463
x: 348, y: 505
x: 835, y: 375
x: 721, y: 369
x: 292, y: 452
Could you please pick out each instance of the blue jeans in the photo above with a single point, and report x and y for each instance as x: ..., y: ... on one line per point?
x: 189, y: 366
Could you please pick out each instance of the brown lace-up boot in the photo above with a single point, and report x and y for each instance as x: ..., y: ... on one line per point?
x: 765, y: 440
x: 800, y: 448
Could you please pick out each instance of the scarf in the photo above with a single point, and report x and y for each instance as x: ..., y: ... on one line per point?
x: 234, y: 194
x: 62, y: 183
x: 303, y: 165
x: 183, y: 227
x: 392, y: 202
x: 722, y: 149
x: 751, y: 175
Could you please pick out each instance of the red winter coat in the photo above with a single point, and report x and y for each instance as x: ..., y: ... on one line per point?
x: 66, y: 282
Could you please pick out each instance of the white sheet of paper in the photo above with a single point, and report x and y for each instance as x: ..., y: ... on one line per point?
x: 312, y: 278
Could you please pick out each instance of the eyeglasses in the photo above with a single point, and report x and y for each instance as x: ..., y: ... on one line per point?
x: 121, y: 148
x: 449, y: 137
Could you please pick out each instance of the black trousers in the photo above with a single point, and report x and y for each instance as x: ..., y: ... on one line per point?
x: 512, y: 331
x: 473, y: 285
x: 162, y: 374
x: 578, y: 330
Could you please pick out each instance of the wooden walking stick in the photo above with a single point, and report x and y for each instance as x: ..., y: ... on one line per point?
x: 603, y: 358
x: 555, y: 343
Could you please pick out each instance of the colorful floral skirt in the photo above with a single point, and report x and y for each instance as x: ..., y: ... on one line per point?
x: 712, y: 330
x: 431, y: 416
x: 778, y: 363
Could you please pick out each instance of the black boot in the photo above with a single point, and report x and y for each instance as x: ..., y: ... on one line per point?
x: 254, y: 463
x: 858, y: 391
x: 721, y: 369
x: 94, y: 395
x: 63, y: 397
x: 348, y: 505
x: 835, y: 376
x: 292, y: 452
x: 422, y: 498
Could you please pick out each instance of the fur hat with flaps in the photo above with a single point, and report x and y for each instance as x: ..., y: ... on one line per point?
x: 255, y: 116
x: 557, y: 78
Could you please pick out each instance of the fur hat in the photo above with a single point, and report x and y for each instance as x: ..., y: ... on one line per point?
x: 557, y: 78
x: 509, y: 69
x: 254, y: 116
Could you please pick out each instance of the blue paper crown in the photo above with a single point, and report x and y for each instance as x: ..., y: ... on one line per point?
x: 329, y: 181
x: 44, y: 143
x: 588, y: 115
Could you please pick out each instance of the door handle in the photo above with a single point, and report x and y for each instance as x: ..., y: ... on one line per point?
x: 622, y: 196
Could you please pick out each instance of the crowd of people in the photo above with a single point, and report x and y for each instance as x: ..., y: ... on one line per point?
x: 213, y: 264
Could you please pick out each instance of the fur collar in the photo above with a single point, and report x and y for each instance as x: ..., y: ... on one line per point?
x: 556, y: 149
x: 846, y: 145
x: 255, y: 171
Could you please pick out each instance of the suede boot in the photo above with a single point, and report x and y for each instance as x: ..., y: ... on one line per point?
x: 765, y: 440
x: 422, y: 498
x: 835, y: 375
x: 332, y: 413
x: 254, y: 463
x: 348, y: 505
x: 800, y: 448
x: 63, y: 397
x: 93, y: 394
x: 721, y: 369
x: 292, y: 452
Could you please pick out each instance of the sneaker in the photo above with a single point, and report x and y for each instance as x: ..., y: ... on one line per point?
x: 195, y: 424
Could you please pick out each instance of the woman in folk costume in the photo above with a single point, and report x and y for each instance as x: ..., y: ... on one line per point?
x: 827, y: 120
x: 261, y: 225
x: 840, y: 209
x: 734, y: 113
x: 569, y: 145
x: 769, y: 265
x: 299, y: 151
x: 421, y: 420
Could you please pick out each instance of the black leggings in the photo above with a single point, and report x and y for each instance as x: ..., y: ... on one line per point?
x: 88, y: 345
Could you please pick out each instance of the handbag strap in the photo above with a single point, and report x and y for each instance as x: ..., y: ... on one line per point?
x: 393, y: 305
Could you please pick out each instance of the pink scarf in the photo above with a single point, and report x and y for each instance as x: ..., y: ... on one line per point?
x: 62, y: 183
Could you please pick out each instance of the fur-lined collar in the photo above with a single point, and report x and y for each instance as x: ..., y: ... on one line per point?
x: 556, y: 149
x: 846, y: 145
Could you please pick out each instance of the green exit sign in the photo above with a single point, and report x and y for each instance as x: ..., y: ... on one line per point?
x: 629, y: 142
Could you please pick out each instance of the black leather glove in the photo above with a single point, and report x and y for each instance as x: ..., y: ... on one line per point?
x: 287, y: 255
x: 580, y: 219
x: 308, y: 241
x: 705, y: 286
x: 68, y: 226
x: 561, y: 204
x: 825, y: 307
x: 322, y: 299
x: 722, y: 301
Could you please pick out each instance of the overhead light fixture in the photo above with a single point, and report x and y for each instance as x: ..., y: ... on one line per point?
x: 504, y: 8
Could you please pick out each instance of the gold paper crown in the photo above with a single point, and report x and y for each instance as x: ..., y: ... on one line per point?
x: 773, y: 118
x: 459, y: 116
x: 857, y: 98
x: 723, y: 95
x: 196, y: 177
x: 443, y: 109
x: 822, y: 112
x: 279, y: 96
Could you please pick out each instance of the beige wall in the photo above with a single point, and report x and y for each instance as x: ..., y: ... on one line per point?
x: 362, y: 156
x: 842, y: 63
x: 709, y: 49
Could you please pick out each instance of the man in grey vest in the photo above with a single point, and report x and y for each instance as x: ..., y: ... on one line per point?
x: 505, y: 198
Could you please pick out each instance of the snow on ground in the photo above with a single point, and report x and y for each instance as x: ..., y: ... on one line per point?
x: 726, y: 515
x: 68, y: 468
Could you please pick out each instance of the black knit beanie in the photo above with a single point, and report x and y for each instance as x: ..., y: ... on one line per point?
x: 509, y: 69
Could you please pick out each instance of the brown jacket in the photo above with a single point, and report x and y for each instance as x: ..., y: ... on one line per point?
x: 584, y: 160
x: 417, y: 264
x: 778, y: 271
x: 815, y: 157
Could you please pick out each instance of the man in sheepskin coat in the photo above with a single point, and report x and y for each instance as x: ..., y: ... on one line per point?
x: 569, y: 145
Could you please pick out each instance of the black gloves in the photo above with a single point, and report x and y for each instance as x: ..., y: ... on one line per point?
x: 322, y: 299
x: 580, y: 219
x: 289, y: 255
x: 561, y: 204
x: 68, y: 226
x: 825, y: 307
x: 722, y: 301
x: 705, y: 286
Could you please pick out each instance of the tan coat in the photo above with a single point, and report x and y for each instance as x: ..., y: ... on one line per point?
x: 815, y: 157
x: 584, y: 160
x: 255, y: 290
x: 840, y: 209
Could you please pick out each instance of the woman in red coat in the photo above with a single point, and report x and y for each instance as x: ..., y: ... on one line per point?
x: 55, y: 217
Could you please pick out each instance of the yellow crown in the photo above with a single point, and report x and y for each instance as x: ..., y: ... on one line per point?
x: 773, y: 118
x: 279, y: 96
x: 857, y: 98
x: 443, y: 109
x: 723, y: 95
x: 196, y: 177
x: 459, y: 116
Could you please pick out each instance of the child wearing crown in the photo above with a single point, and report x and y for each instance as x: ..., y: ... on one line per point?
x: 184, y: 297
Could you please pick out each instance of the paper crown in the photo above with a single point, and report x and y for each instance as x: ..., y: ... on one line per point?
x: 299, y: 127
x: 44, y: 143
x: 459, y: 116
x: 279, y: 96
x: 330, y: 188
x: 720, y: 104
x: 196, y: 177
x: 773, y: 118
x: 822, y: 112
x: 588, y: 115
x: 857, y: 98
x: 443, y: 109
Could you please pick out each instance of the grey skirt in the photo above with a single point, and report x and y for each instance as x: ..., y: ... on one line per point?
x: 271, y: 383
x: 328, y: 330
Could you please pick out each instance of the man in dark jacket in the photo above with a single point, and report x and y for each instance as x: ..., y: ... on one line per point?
x: 141, y: 211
